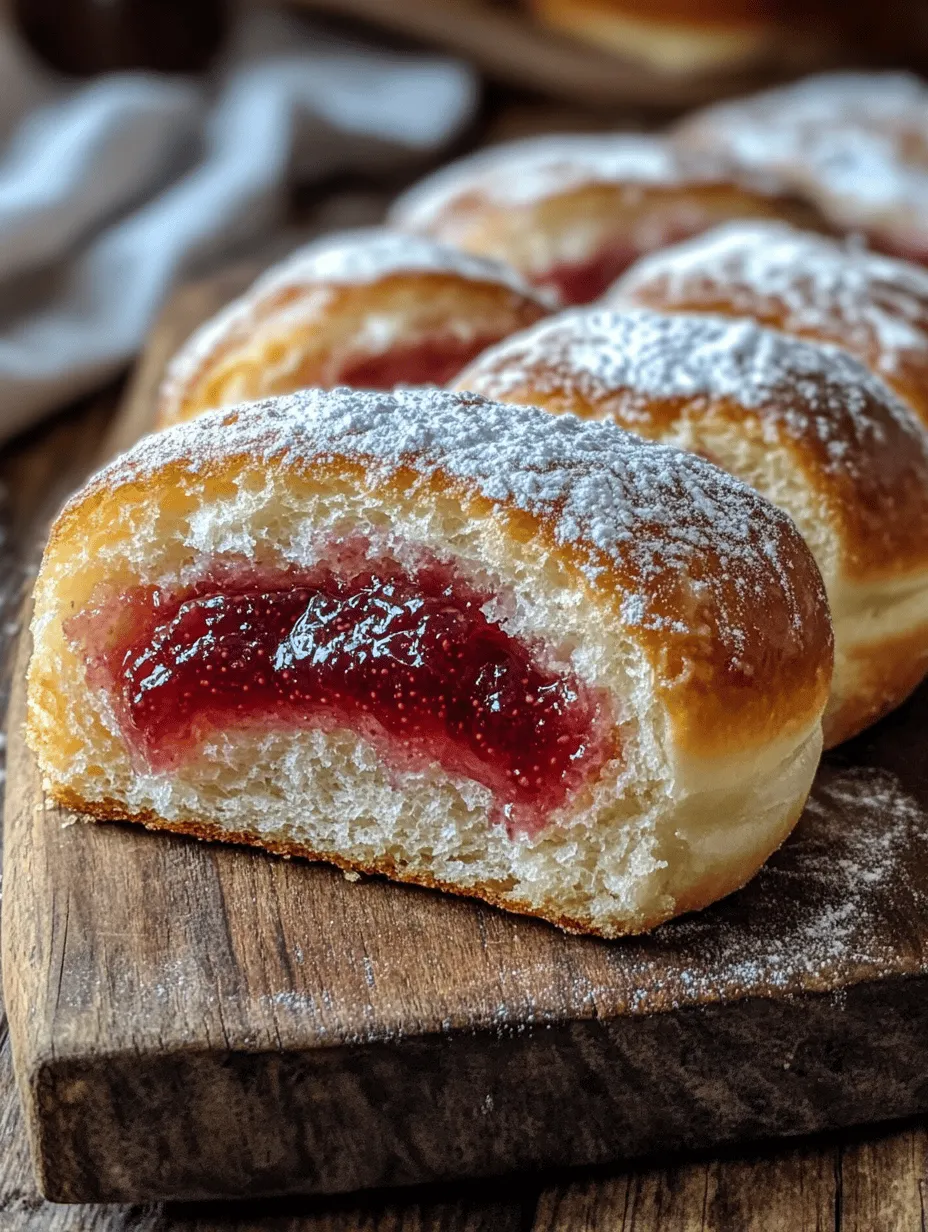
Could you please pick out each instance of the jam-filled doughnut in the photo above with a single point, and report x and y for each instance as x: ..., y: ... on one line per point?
x: 521, y: 657
x: 855, y: 145
x: 806, y: 425
x: 370, y: 308
x: 571, y: 212
x: 802, y: 284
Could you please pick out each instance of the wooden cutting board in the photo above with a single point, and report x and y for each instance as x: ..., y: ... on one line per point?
x: 193, y: 1020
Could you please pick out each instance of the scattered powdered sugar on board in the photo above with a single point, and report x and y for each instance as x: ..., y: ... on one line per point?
x: 533, y: 168
x: 836, y: 289
x: 840, y: 902
x: 856, y: 142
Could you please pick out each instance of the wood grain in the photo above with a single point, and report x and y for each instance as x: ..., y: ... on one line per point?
x: 794, y: 1191
x: 883, y: 1181
x: 192, y: 1021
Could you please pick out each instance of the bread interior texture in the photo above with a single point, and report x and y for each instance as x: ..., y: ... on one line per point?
x: 653, y: 831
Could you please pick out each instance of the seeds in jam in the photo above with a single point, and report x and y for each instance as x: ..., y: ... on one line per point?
x: 411, y: 663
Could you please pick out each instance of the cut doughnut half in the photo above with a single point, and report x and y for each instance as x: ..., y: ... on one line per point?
x: 806, y: 425
x: 370, y: 308
x: 572, y: 211
x: 533, y: 660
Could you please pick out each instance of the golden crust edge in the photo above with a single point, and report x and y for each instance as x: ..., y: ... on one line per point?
x: 176, y: 399
x: 711, y: 890
x: 698, y: 734
x: 892, y: 670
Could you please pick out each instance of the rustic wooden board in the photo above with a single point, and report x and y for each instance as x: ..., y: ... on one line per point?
x: 847, y: 1182
x: 194, y: 1021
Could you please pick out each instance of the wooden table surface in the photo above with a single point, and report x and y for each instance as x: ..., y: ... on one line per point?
x: 869, y: 1180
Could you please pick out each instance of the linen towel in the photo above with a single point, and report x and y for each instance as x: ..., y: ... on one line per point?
x: 111, y: 190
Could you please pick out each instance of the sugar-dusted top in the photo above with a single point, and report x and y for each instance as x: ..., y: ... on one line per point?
x: 359, y: 257
x: 368, y: 254
x: 856, y: 142
x: 854, y: 444
x: 601, y: 485
x: 718, y: 586
x: 875, y: 306
x: 687, y: 355
x: 523, y: 172
x: 819, y: 100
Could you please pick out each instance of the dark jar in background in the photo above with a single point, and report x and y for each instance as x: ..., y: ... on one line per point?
x: 93, y: 36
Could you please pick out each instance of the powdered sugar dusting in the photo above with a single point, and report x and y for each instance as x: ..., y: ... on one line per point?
x: 368, y: 254
x: 856, y: 143
x: 656, y: 511
x: 832, y: 907
x: 359, y: 257
x: 814, y: 391
x: 873, y: 305
x: 526, y: 171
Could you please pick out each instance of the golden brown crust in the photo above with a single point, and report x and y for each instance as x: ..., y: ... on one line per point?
x: 707, y: 891
x: 853, y: 143
x: 867, y: 463
x: 886, y: 673
x: 803, y: 285
x: 712, y: 655
x: 627, y: 221
x: 311, y: 333
x: 572, y: 211
x: 909, y: 377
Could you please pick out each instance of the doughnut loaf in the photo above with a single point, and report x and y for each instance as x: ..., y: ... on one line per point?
x: 807, y: 426
x: 855, y: 145
x: 531, y: 659
x: 369, y: 308
x: 802, y: 284
x: 571, y: 212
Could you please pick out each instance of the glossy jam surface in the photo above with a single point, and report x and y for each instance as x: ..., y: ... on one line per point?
x: 433, y: 362
x: 412, y: 663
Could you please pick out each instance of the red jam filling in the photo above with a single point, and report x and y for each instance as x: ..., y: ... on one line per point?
x: 581, y: 282
x: 412, y: 663
x: 434, y: 361
x: 893, y: 247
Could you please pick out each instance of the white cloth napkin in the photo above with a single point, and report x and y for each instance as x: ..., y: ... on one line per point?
x: 110, y: 190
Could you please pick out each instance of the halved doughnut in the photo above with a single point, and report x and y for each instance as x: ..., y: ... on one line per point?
x: 525, y: 658
x: 571, y: 212
x: 369, y: 308
x: 807, y: 426
x: 854, y: 145
x: 802, y: 284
